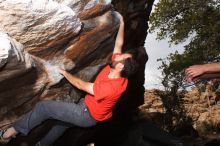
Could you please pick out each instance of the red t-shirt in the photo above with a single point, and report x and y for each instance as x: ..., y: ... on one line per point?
x: 106, y: 93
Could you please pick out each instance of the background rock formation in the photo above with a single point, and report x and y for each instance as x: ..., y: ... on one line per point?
x: 201, y: 106
x: 200, y: 110
x: 39, y: 36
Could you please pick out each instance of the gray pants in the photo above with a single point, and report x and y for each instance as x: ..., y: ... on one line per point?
x: 76, y: 114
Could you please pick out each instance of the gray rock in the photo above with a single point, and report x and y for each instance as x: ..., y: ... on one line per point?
x: 40, y: 24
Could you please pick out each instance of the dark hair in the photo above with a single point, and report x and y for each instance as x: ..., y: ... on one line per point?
x: 130, y: 67
x: 133, y: 53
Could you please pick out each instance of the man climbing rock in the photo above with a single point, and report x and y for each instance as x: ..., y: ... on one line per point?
x: 97, y: 105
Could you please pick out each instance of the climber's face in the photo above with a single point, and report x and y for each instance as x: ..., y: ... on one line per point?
x: 119, y: 60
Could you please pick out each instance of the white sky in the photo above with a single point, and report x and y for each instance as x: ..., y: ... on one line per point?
x: 157, y: 49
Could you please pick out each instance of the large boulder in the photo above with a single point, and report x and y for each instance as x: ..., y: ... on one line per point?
x: 37, y: 37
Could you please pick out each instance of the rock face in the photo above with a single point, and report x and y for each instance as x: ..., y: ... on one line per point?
x: 37, y: 37
x: 202, y: 107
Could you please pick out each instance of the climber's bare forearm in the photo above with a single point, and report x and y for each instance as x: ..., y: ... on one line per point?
x: 77, y: 82
x: 120, y: 36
